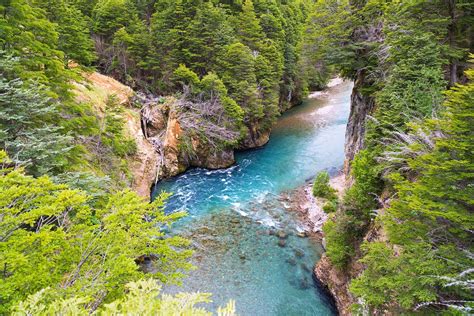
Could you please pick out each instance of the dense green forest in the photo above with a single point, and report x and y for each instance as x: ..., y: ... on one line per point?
x: 72, y: 235
x: 412, y: 177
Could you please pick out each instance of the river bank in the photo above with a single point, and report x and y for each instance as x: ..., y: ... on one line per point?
x: 309, y: 210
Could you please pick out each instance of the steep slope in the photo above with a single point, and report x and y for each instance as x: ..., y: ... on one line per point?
x: 141, y: 165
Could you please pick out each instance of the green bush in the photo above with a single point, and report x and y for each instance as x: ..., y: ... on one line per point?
x: 321, y: 187
x: 339, y: 245
x: 330, y: 206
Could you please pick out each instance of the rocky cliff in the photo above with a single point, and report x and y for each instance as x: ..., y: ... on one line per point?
x: 170, y: 134
x: 179, y: 146
x: 96, y: 89
x: 361, y: 106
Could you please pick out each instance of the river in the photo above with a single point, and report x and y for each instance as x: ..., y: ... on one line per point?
x: 234, y: 212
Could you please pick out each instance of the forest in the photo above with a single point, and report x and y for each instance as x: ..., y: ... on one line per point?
x: 74, y: 234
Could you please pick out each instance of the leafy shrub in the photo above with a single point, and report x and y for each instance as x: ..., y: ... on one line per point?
x: 330, y: 206
x: 114, y: 130
x: 52, y: 237
x: 142, y: 298
x: 321, y: 187
x: 339, y: 245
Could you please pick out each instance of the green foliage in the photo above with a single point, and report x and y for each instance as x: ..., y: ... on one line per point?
x: 142, y: 298
x: 52, y: 238
x: 352, y: 218
x: 249, y: 31
x: 361, y: 196
x: 330, y: 206
x: 73, y: 30
x: 328, y: 27
x: 212, y: 86
x: 238, y: 74
x: 185, y: 77
x: 113, y: 131
x: 26, y: 33
x: 321, y: 187
x: 109, y: 16
x: 428, y: 223
x: 339, y: 240
x: 28, y: 129
x: 389, y: 276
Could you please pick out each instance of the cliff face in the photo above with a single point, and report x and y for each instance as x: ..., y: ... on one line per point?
x: 179, y: 147
x: 96, y: 89
x: 255, y: 138
x: 143, y: 165
x: 338, y: 281
x: 361, y: 106
x: 170, y: 135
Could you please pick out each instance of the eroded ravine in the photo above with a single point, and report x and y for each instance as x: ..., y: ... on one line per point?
x: 245, y: 235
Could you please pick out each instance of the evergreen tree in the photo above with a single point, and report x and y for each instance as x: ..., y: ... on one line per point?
x: 28, y: 128
x: 238, y: 74
x: 209, y: 34
x: 429, y: 224
x: 26, y: 33
x: 249, y: 30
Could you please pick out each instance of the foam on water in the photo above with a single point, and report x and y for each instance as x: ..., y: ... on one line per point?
x: 234, y: 212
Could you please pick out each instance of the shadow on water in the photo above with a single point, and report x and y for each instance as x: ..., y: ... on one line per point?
x: 244, y: 236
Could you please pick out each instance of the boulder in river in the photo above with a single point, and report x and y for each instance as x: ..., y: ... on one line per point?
x: 299, y: 252
x: 282, y: 234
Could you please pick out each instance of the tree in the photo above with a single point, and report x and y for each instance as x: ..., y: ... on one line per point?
x: 209, y: 34
x: 109, y: 16
x: 238, y: 74
x: 51, y: 237
x: 249, y: 30
x: 170, y: 32
x: 28, y: 125
x: 142, y: 298
x: 74, y: 38
x: 429, y: 223
x: 30, y: 36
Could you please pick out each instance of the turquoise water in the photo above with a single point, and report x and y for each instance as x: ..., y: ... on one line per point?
x: 234, y: 214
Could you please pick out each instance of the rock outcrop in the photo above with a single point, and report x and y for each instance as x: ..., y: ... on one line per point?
x: 361, y: 106
x: 180, y: 148
x: 338, y: 281
x: 255, y: 138
x: 143, y: 165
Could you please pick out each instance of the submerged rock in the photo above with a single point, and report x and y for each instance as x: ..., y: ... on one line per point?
x: 291, y: 261
x: 302, y: 234
x: 299, y: 253
x: 282, y: 243
x: 282, y: 234
x: 305, y: 268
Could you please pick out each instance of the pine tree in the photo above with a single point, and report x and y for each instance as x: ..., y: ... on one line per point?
x: 249, y: 29
x: 28, y: 126
x: 209, y: 34
x: 238, y: 73
x: 74, y: 38
x: 28, y: 34
x: 429, y: 223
